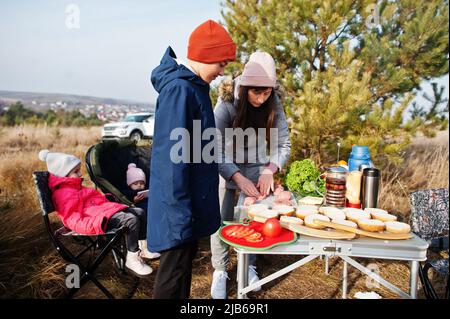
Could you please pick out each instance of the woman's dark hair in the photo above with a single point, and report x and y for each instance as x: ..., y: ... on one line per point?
x: 255, y: 117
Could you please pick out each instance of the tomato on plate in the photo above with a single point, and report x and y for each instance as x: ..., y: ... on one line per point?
x: 272, y: 227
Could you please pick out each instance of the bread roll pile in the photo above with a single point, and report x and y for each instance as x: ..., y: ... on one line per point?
x: 370, y: 219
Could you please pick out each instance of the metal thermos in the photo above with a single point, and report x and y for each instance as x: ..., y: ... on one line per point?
x: 370, y: 187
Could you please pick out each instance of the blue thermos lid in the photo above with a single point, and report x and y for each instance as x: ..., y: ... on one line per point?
x: 360, y: 150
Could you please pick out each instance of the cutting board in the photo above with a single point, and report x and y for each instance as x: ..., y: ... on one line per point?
x: 379, y: 235
x: 286, y: 237
x: 307, y: 231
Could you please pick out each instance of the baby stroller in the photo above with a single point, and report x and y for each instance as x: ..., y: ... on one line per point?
x: 107, y: 164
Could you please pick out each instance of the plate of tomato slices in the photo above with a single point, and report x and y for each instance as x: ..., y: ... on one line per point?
x: 251, y: 236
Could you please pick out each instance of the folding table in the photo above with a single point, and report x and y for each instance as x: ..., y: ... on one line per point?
x: 413, y: 250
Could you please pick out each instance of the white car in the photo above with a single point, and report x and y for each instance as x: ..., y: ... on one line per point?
x: 134, y: 126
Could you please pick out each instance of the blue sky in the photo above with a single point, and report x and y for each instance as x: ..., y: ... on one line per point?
x: 110, y: 55
x: 112, y: 52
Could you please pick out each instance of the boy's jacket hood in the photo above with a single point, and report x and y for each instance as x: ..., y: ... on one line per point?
x: 170, y: 70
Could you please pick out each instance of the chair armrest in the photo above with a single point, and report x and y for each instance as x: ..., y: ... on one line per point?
x: 111, y: 197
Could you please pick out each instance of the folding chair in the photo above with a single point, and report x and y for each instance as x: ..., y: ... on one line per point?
x: 430, y: 221
x: 109, y: 242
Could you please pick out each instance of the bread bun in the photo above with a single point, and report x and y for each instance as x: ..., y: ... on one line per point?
x: 373, y: 225
x: 268, y: 213
x: 354, y: 214
x: 332, y: 212
x: 255, y: 209
x: 304, y: 210
x: 284, y: 210
x: 381, y: 214
x: 291, y: 220
x: 398, y: 227
x: 309, y: 220
x: 344, y: 222
x: 311, y: 200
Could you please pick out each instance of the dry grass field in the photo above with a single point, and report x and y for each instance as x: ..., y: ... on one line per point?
x: 31, y: 268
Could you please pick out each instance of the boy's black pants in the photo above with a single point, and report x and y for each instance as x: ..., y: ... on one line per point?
x: 173, y: 278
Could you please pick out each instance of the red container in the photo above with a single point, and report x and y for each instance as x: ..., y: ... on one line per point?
x: 351, y: 205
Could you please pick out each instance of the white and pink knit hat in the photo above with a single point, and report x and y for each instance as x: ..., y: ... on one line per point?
x: 134, y: 174
x: 259, y: 71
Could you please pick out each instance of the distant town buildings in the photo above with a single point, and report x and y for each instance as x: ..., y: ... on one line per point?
x: 104, y: 112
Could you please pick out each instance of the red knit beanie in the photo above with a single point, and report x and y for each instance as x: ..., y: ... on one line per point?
x: 211, y: 43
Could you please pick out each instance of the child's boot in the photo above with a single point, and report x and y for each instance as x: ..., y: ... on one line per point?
x: 136, y: 264
x: 145, y: 253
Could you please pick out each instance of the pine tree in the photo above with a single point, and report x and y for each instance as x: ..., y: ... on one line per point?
x: 434, y: 116
x: 350, y: 68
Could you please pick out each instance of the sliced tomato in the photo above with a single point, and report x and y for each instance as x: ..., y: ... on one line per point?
x: 256, y: 240
x: 242, y: 232
x: 239, y: 232
x: 247, y: 232
x: 232, y: 231
x: 254, y: 235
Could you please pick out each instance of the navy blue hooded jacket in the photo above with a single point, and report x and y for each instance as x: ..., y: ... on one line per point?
x: 183, y: 198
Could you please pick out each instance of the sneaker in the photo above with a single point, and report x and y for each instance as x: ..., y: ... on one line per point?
x: 145, y: 253
x: 137, y: 265
x: 219, y: 284
x: 253, y: 277
x: 149, y: 255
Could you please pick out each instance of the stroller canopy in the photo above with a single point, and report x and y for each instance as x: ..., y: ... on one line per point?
x: 107, y: 164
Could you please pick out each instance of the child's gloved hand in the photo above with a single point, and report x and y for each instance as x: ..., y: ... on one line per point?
x: 139, y: 197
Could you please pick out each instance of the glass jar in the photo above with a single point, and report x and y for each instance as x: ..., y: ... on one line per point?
x: 335, y: 188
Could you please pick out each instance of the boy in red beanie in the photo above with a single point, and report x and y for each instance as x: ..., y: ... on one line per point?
x: 184, y: 203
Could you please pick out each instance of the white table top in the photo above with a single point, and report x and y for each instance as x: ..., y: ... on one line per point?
x: 409, y: 249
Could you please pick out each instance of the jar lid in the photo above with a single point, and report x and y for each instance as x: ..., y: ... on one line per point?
x: 337, y: 169
x: 371, y: 172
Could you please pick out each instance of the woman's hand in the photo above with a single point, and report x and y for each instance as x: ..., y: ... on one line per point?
x: 246, y: 185
x: 266, y: 182
x: 139, y: 197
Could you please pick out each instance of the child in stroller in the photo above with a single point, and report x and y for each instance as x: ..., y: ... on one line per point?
x: 87, y: 211
x: 136, y: 184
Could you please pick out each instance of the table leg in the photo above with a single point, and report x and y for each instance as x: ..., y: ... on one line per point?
x: 327, y: 270
x: 413, y: 279
x: 344, y: 280
x: 376, y: 277
x: 242, y: 274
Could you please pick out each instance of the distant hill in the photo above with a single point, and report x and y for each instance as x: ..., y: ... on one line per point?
x: 39, y: 101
